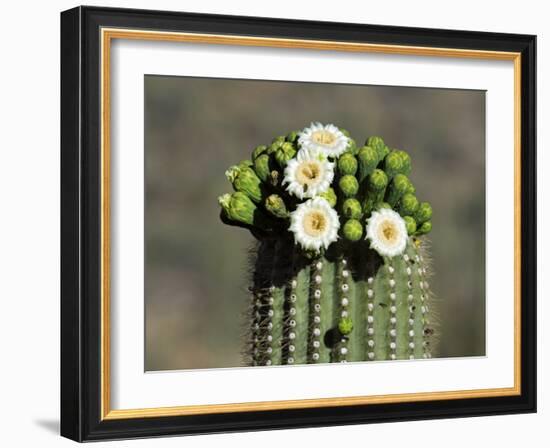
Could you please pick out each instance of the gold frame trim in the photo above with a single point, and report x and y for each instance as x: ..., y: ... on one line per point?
x: 107, y: 35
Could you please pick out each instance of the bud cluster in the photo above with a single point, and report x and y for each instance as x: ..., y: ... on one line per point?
x: 362, y: 179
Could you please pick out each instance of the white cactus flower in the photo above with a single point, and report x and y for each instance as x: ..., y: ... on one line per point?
x: 387, y: 232
x: 309, y: 174
x: 315, y: 224
x: 327, y: 139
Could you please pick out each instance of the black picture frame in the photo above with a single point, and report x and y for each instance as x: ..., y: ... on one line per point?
x: 81, y: 227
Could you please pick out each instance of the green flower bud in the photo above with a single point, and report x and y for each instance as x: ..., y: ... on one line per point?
x: 393, y: 164
x: 406, y: 161
x: 410, y: 223
x: 424, y: 212
x: 275, y: 144
x: 351, y: 208
x: 259, y: 150
x: 426, y: 227
x: 261, y: 167
x: 347, y: 164
x: 284, y: 153
x: 345, y: 132
x: 348, y: 185
x: 384, y: 152
x: 246, y: 164
x: 379, y: 146
x: 408, y: 205
x: 352, y: 230
x: 352, y: 147
x: 330, y: 196
x: 275, y: 205
x: 398, y: 187
x: 345, y: 325
x: 232, y: 172
x: 224, y: 200
x: 368, y: 159
x: 246, y: 181
x: 375, y: 142
x: 378, y: 180
x: 238, y: 207
x: 292, y: 136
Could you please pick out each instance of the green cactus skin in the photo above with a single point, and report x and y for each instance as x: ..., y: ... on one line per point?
x: 297, y: 307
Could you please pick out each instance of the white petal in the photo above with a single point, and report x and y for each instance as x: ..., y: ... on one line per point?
x: 382, y: 245
x: 329, y: 233
x: 296, y: 186
x: 335, y: 148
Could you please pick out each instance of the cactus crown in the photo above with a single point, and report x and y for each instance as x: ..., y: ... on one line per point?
x: 339, y: 271
x: 320, y: 186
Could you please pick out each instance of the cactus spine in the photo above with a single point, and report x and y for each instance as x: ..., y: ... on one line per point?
x: 298, y: 305
x: 339, y: 272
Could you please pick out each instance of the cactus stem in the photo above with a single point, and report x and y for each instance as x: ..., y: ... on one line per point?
x: 316, y: 293
x: 296, y: 310
x: 423, y: 284
x: 302, y: 316
x: 410, y: 302
x: 262, y: 330
x: 423, y: 307
x: 290, y: 331
x: 269, y: 328
x: 417, y: 325
x: 304, y: 311
x: 343, y: 294
x: 393, y: 309
x: 295, y: 329
x: 255, y: 327
x: 420, y: 326
x: 425, y: 342
x: 268, y: 308
x: 370, y: 319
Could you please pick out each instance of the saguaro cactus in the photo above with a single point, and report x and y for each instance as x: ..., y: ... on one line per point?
x: 339, y: 272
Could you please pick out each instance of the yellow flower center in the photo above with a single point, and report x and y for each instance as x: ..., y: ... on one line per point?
x: 308, y: 173
x: 388, y: 232
x: 323, y: 137
x: 315, y: 223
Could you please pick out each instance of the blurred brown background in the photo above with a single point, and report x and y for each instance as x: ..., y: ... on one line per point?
x: 196, y: 127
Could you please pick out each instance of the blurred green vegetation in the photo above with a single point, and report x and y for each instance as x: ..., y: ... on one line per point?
x: 196, y: 267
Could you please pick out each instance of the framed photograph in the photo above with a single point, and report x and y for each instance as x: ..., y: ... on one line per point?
x: 274, y: 223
